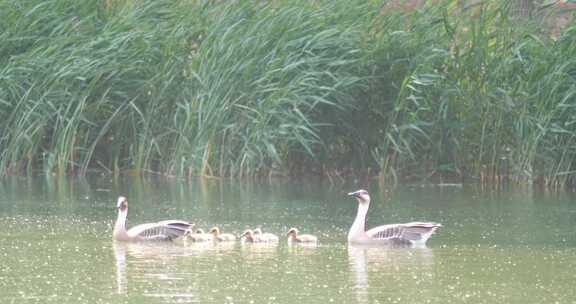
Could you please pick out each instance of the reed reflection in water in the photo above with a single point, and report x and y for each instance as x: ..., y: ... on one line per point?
x: 500, y: 247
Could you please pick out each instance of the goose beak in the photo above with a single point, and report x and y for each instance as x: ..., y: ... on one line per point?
x: 360, y: 195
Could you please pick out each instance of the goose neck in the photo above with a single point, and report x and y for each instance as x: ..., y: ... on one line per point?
x: 120, y: 225
x: 358, y: 227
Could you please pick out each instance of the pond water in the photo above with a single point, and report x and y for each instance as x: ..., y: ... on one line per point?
x: 495, y: 246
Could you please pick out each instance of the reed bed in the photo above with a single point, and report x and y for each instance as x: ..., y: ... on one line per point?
x: 284, y: 88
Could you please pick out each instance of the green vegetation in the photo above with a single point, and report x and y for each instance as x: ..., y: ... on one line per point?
x: 253, y: 88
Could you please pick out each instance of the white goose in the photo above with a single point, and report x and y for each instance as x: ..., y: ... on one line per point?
x: 414, y: 233
x: 160, y: 231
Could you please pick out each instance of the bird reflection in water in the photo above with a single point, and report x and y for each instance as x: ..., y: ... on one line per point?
x: 145, y: 256
x: 159, y: 263
x: 120, y: 258
x: 388, y: 264
x: 303, y: 248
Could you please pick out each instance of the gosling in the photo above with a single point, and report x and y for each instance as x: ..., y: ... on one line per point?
x: 295, y: 237
x: 198, y: 236
x: 222, y: 237
x: 251, y: 236
x: 266, y: 236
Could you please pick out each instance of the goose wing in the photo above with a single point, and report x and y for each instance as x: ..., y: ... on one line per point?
x: 386, y: 232
x: 414, y: 231
x: 161, y: 231
x: 177, y: 224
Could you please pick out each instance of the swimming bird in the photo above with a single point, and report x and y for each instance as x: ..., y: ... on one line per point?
x: 222, y: 237
x: 294, y: 236
x: 160, y: 231
x: 414, y: 233
x: 199, y: 236
x: 251, y: 236
x: 247, y: 236
x: 266, y: 236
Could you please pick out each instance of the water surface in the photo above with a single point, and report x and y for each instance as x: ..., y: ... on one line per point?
x: 495, y: 246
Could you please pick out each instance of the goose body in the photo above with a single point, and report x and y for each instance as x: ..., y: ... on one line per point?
x: 256, y: 236
x: 160, y: 231
x: 413, y: 233
x: 295, y: 237
x: 222, y: 237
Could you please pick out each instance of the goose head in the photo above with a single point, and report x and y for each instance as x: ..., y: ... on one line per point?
x: 361, y: 195
x: 122, y: 204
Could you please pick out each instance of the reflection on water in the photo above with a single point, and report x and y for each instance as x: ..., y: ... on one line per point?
x: 154, y: 265
x: 157, y: 264
x: 258, y: 251
x: 390, y: 262
x: 357, y: 260
x: 120, y: 258
x: 161, y: 266
x: 302, y: 249
x: 144, y: 257
x: 56, y: 245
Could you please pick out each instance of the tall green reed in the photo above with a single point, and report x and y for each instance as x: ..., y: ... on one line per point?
x: 488, y: 93
x: 251, y: 89
x: 256, y: 79
x: 171, y: 87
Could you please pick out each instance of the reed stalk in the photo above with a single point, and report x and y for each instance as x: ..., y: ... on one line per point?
x: 283, y: 88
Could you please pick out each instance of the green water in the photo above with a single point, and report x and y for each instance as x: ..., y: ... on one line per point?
x: 495, y: 247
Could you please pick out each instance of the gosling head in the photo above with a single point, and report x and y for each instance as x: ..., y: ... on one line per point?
x: 199, y: 231
x: 257, y: 231
x: 215, y: 231
x: 247, y: 234
x: 188, y: 232
x: 293, y: 232
x: 361, y: 195
x: 122, y: 204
